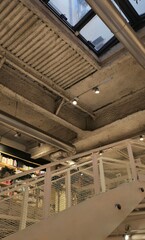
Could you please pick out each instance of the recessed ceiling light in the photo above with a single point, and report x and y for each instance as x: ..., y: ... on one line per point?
x: 75, y: 101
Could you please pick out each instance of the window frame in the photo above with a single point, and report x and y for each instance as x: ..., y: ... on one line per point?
x: 136, y: 21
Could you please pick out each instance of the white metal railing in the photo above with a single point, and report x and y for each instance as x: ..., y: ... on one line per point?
x: 30, y: 199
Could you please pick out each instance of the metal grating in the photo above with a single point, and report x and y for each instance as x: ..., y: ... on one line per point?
x: 31, y: 40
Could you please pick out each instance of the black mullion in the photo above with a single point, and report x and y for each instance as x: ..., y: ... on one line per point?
x: 46, y: 1
x: 60, y: 16
x: 107, y: 46
x: 129, y: 11
x: 83, y: 21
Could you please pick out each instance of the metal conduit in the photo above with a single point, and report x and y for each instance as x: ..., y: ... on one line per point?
x: 34, y: 133
x: 119, y: 26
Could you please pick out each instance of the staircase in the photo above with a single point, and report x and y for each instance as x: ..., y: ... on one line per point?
x: 83, y: 201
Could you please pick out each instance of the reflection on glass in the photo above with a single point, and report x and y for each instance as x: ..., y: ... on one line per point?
x: 96, y: 32
x: 139, y: 7
x: 73, y: 10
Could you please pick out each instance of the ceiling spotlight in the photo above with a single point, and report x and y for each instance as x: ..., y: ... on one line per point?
x: 75, y: 101
x: 96, y: 90
x: 17, y: 134
x: 127, y: 234
x: 100, y: 152
x: 141, y: 138
x: 127, y: 237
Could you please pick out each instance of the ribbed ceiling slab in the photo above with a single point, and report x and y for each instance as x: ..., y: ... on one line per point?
x: 34, y: 42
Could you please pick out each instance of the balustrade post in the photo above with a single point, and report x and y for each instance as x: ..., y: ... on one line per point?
x: 68, y: 188
x: 24, y: 209
x: 47, y: 193
x: 96, y: 174
x: 129, y: 173
x: 132, y: 162
x: 102, y: 175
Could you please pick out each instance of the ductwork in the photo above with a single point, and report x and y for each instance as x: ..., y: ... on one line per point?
x: 34, y: 133
x: 119, y: 26
x: 58, y: 155
x: 41, y: 151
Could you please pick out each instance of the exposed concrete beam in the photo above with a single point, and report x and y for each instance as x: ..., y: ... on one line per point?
x: 34, y: 133
x: 120, y: 27
x: 2, y: 60
x: 120, y: 108
x: 127, y: 127
x: 39, y: 109
x: 12, y: 144
x: 36, y: 76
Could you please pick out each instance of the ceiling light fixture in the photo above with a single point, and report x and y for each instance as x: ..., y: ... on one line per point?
x: 141, y: 138
x: 17, y: 134
x: 127, y: 236
x: 96, y: 90
x: 100, y: 152
x: 75, y: 101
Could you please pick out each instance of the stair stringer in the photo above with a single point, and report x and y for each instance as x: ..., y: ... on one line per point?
x: 95, y: 218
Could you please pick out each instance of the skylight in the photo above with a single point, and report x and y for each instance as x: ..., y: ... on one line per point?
x: 81, y: 19
x: 96, y: 32
x: 139, y: 7
x: 73, y: 10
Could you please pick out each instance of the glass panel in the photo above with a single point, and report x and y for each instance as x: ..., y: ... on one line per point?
x: 74, y: 10
x: 139, y: 7
x: 96, y: 32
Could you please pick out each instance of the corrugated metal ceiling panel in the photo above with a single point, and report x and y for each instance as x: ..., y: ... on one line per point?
x: 27, y: 37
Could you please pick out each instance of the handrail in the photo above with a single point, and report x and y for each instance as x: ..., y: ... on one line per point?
x: 49, y: 165
x: 79, y: 155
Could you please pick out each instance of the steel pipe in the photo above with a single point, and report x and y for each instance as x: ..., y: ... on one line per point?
x: 119, y: 26
x: 34, y: 132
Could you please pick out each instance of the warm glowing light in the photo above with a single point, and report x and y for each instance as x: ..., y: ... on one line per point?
x: 75, y: 101
x: 141, y: 138
x: 96, y: 90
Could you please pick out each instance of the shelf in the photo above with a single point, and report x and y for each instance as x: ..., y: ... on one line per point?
x: 12, y: 167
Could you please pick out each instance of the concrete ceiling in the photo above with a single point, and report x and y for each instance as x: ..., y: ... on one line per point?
x: 43, y: 66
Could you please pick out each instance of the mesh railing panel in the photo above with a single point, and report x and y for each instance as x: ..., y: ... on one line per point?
x: 69, y: 187
x: 82, y: 186
x: 10, y: 212
x: 115, y: 175
x: 58, y: 195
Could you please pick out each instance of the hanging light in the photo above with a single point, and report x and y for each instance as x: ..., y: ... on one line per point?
x: 75, y: 101
x: 141, y: 138
x: 96, y: 90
